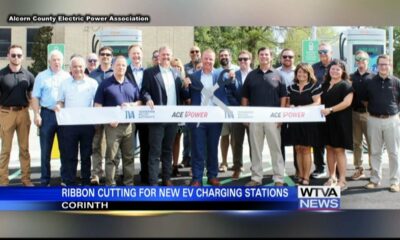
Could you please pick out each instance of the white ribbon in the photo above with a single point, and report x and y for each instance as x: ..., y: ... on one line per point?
x: 194, y: 114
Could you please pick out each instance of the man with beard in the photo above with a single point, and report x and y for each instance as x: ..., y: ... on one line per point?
x: 225, y: 59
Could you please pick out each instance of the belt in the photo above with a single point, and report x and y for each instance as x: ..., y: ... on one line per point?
x: 381, y: 116
x: 13, y: 108
x: 48, y: 109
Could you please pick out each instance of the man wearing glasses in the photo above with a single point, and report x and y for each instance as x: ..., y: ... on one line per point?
x: 195, y: 57
x: 91, y: 63
x: 359, y: 113
x: 16, y: 84
x: 382, y: 98
x: 320, y: 69
x: 234, y: 95
x: 104, y: 71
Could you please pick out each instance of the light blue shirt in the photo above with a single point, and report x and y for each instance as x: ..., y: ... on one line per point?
x: 138, y: 74
x: 78, y: 93
x: 47, y: 85
x: 208, y: 83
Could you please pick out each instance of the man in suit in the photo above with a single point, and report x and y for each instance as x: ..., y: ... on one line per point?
x: 205, y: 133
x: 135, y: 74
x: 162, y: 85
x: 234, y: 95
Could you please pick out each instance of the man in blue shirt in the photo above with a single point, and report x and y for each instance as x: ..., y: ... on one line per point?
x: 77, y: 91
x: 118, y: 90
x: 44, y: 100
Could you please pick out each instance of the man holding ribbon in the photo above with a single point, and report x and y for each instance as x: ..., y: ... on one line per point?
x: 205, y: 89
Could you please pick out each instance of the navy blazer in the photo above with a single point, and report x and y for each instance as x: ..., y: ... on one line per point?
x: 234, y: 93
x: 153, y: 87
x: 196, y: 87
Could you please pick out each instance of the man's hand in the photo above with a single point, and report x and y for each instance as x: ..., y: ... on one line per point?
x: 150, y: 103
x: 37, y: 120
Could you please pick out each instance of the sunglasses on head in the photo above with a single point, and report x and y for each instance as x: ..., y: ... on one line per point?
x: 287, y: 56
x: 323, y: 51
x: 243, y: 59
x: 194, y: 51
x: 106, y: 54
x: 360, y: 58
x: 13, y: 55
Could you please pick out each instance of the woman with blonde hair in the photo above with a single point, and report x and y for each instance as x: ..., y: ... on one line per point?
x: 304, y: 92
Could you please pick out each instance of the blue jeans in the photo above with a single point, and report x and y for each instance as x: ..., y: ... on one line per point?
x: 205, y: 139
x: 78, y: 136
x: 47, y: 132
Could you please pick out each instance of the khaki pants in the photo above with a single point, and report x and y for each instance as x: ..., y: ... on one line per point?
x: 259, y: 131
x: 120, y: 137
x: 360, y: 129
x: 384, y: 132
x: 11, y: 121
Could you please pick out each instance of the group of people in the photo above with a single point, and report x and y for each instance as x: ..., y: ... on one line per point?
x: 356, y: 105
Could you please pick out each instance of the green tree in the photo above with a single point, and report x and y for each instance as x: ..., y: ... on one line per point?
x: 39, y: 50
x: 396, y: 52
x: 235, y: 38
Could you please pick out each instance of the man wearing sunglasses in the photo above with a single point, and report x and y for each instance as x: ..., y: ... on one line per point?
x: 286, y: 70
x: 104, y: 71
x: 359, y: 113
x: 91, y: 63
x: 195, y: 57
x: 16, y: 84
x: 44, y: 100
x: 234, y: 95
x: 320, y: 69
x: 190, y: 68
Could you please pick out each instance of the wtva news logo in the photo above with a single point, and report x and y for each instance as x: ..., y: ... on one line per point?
x: 318, y: 197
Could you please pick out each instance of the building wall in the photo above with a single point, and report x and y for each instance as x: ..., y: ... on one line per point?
x: 78, y: 40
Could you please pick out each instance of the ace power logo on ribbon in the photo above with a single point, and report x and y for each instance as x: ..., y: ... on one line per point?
x: 318, y: 197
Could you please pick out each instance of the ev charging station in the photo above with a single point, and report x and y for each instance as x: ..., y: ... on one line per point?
x: 118, y: 39
x: 370, y: 40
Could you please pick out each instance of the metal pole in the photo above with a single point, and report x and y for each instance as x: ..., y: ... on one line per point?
x: 390, y: 50
x: 313, y: 33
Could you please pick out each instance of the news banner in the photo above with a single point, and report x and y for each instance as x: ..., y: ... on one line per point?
x: 178, y: 197
x: 141, y: 198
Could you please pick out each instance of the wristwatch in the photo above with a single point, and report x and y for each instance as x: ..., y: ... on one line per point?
x: 330, y: 110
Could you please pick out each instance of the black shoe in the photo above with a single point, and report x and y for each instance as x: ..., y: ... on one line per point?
x: 175, y: 172
x: 185, y: 162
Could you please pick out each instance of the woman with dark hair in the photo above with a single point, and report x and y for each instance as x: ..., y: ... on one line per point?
x: 304, y: 92
x: 337, y: 95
